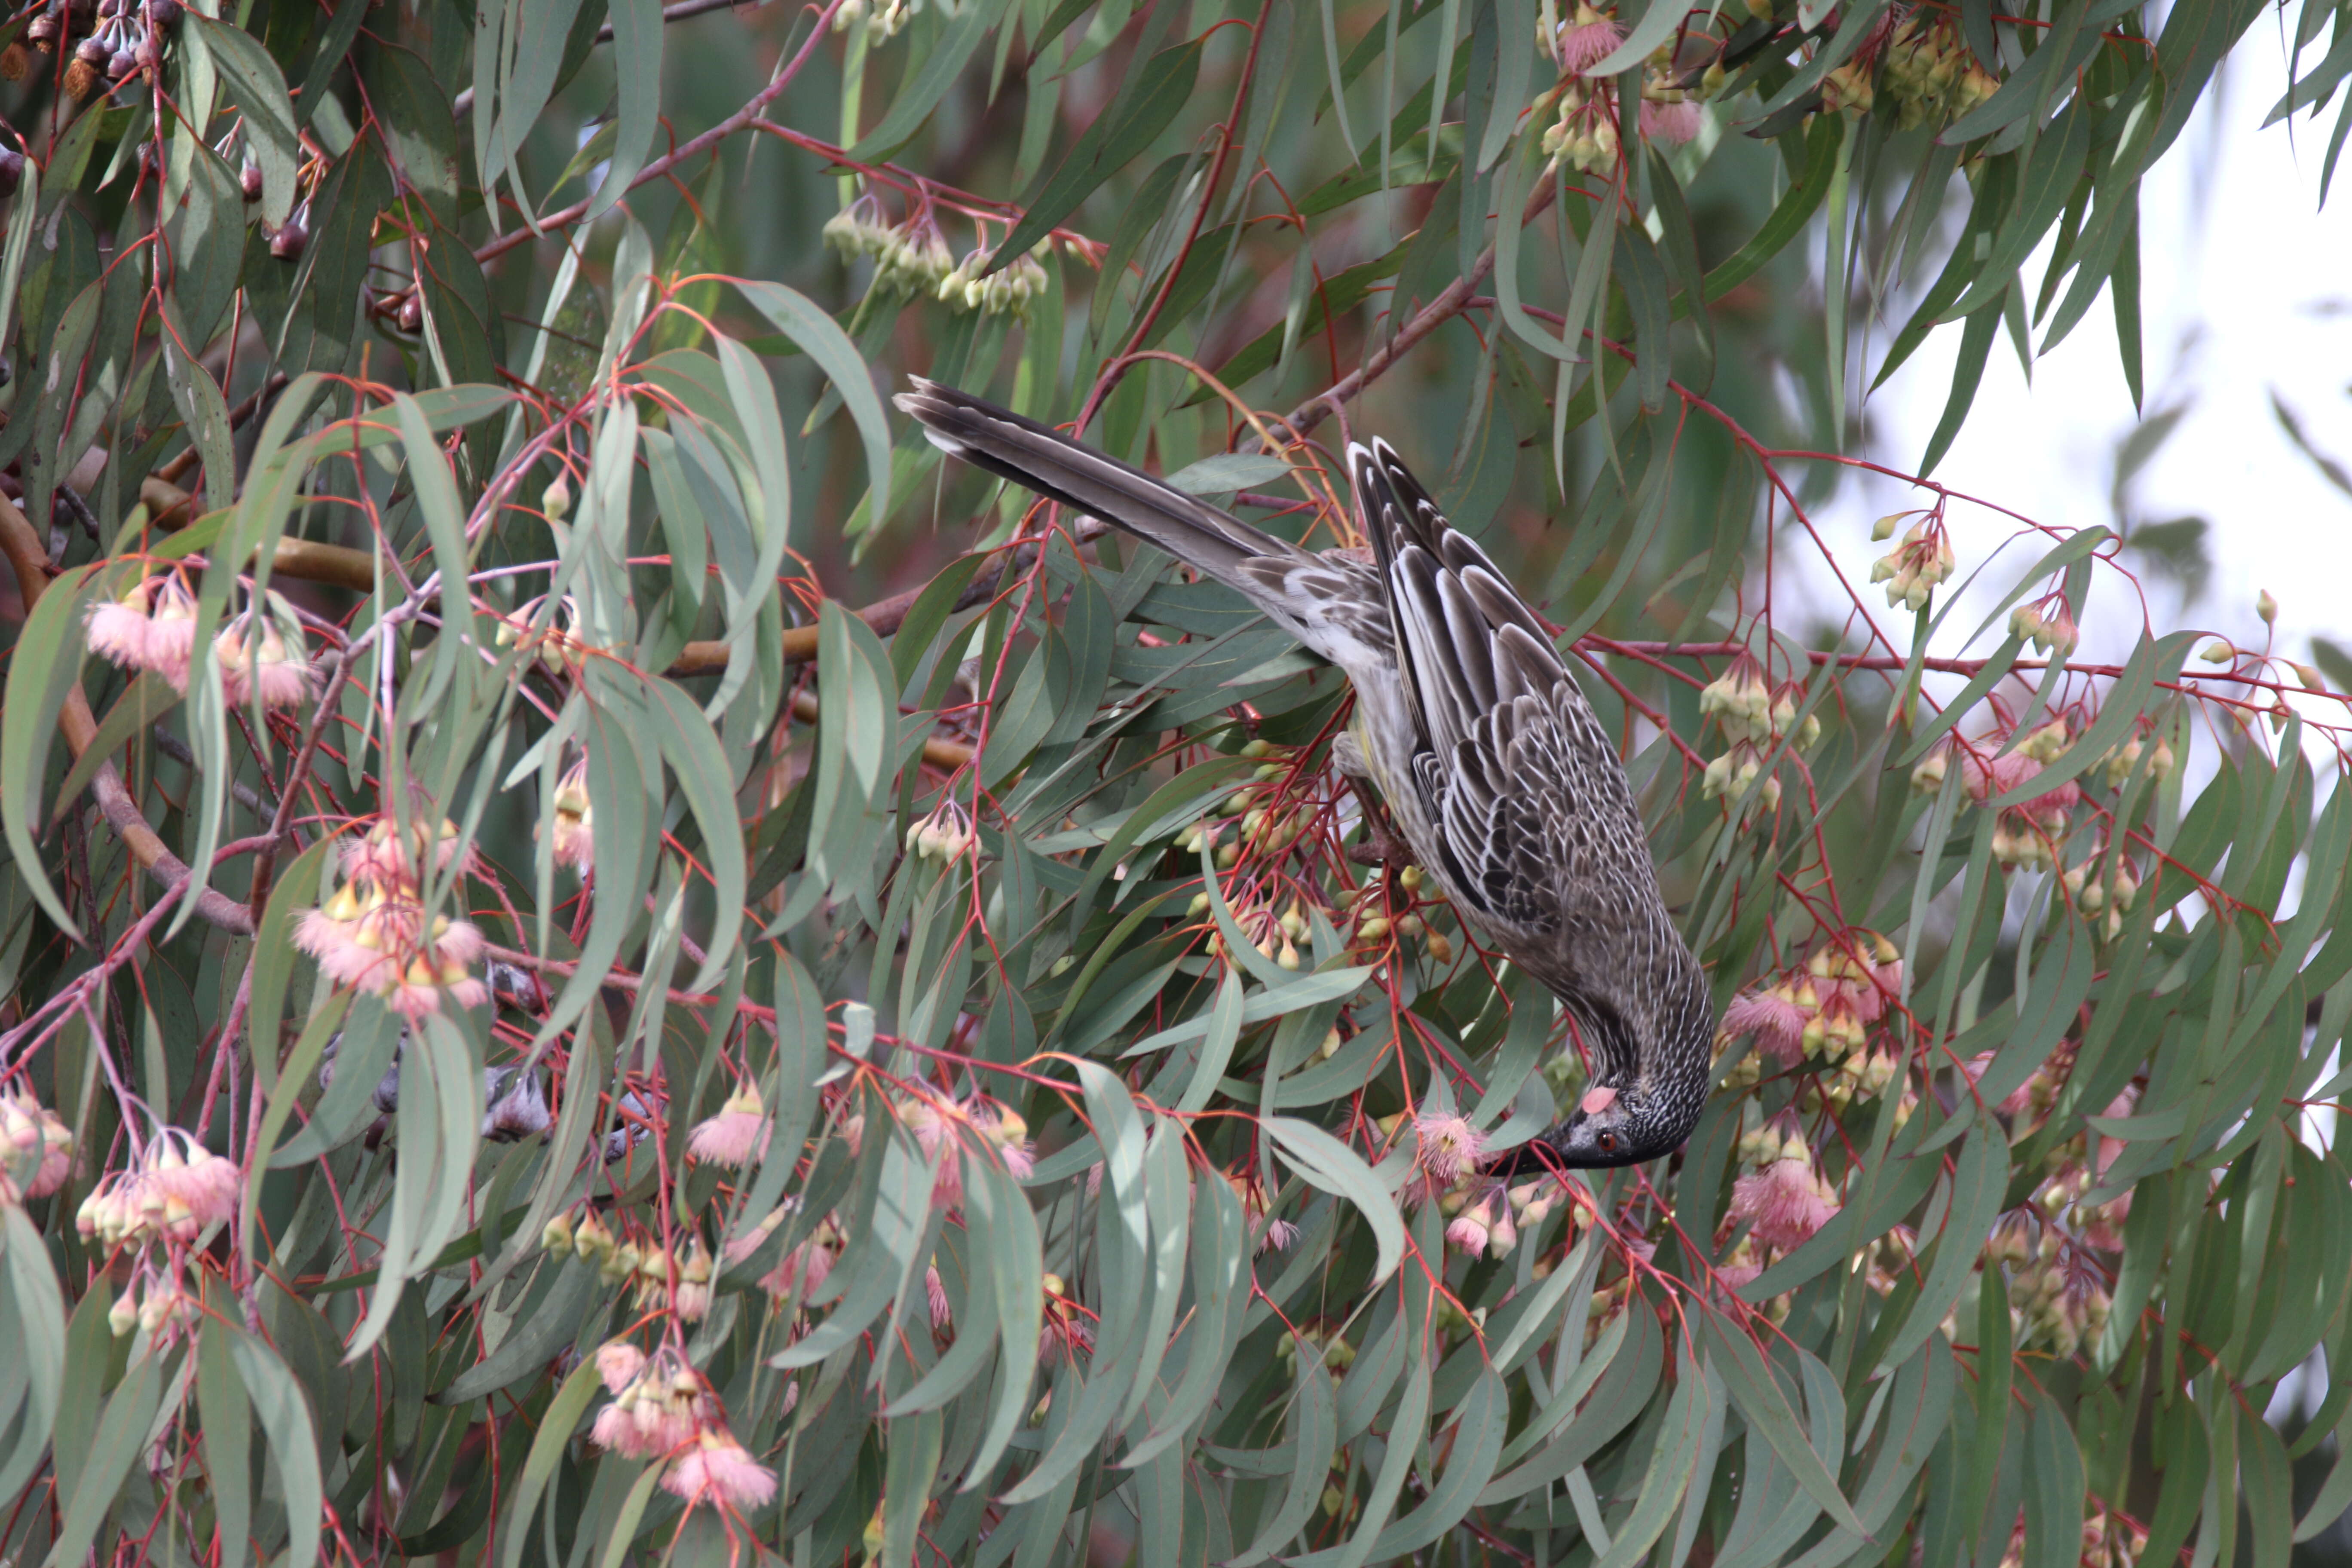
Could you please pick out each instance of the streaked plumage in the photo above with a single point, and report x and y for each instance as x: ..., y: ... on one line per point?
x: 1500, y: 776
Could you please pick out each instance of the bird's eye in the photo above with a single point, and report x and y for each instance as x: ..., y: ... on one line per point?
x: 1608, y: 1142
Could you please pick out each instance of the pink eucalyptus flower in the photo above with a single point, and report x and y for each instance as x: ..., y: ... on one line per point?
x: 1672, y: 123
x: 1787, y: 1199
x: 736, y: 1134
x: 1587, y: 40
x: 1448, y: 1147
x: 720, y: 1469
x: 1775, y: 1019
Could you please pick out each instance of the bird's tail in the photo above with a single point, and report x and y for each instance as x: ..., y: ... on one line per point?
x: 1043, y: 459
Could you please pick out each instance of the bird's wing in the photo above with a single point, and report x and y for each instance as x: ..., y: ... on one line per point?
x: 1333, y: 606
x: 1536, y: 815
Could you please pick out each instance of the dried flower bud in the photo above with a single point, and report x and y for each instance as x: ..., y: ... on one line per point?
x: 2217, y: 652
x: 2267, y: 607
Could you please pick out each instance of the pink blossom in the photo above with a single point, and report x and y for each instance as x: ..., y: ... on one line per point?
x: 1735, y: 1277
x: 805, y: 1264
x: 1278, y: 1234
x: 618, y: 1363
x: 1587, y: 40
x: 739, y: 1130
x: 613, y: 1431
x: 720, y: 1469
x: 1448, y: 1146
x: 31, y: 1133
x: 1066, y: 1338
x: 117, y: 632
x: 1787, y: 1199
x: 152, y: 628
x: 251, y: 664
x: 1774, y: 1018
x: 425, y: 987
x: 2021, y: 1098
x: 935, y: 1291
x: 1468, y: 1231
x: 1672, y: 123
x: 196, y: 1188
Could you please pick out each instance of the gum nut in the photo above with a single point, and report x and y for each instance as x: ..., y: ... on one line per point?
x: 12, y: 171
x: 249, y: 178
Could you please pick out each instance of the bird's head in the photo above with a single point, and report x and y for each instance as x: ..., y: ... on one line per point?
x: 1611, y: 1126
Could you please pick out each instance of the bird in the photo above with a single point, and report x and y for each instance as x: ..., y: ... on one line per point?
x: 1500, y: 779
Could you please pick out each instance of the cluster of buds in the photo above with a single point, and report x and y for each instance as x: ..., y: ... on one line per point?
x: 935, y: 1127
x: 570, y: 830
x: 945, y: 836
x: 650, y: 1264
x: 167, y: 1307
x: 912, y: 257
x: 1862, y: 1076
x: 1732, y: 775
x: 1330, y: 1342
x: 882, y: 19
x: 179, y: 1189
x: 2058, y: 1297
x: 117, y: 38
x: 2048, y: 623
x: 1275, y: 936
x: 2060, y: 1198
x: 1584, y: 135
x: 1009, y: 292
x: 2110, y: 1540
x: 2024, y: 836
x: 1739, y: 700
x: 657, y: 1267
x: 371, y: 933
x: 1928, y: 76
x: 1822, y: 1011
x: 1374, y: 925
x: 2102, y: 891
x: 560, y: 646
x: 1912, y: 569
x: 1753, y: 718
x: 36, y: 1149
x: 152, y: 626
x: 1785, y: 1199
x: 2119, y: 763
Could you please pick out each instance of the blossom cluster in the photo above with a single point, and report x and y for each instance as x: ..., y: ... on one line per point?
x: 178, y: 1189
x: 1754, y: 719
x: 1926, y: 73
x: 913, y: 257
x: 36, y: 1149
x: 371, y: 933
x: 152, y: 626
x: 1822, y: 1011
x: 1912, y: 570
x: 662, y: 1408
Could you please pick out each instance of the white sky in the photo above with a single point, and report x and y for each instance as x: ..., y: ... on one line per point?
x: 2240, y: 268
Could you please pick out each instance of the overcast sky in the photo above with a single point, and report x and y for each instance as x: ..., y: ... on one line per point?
x: 2247, y: 289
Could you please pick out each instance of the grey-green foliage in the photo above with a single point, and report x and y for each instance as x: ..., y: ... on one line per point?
x: 946, y: 1049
